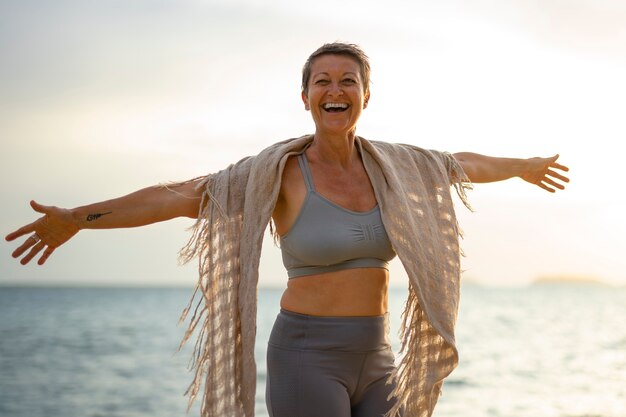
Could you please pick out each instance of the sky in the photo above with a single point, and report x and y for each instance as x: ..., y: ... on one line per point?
x: 99, y: 99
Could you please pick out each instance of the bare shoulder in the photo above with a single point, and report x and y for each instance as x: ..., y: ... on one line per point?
x: 291, y: 173
x: 291, y: 196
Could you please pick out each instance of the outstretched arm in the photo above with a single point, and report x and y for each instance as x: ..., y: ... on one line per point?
x: 146, y: 206
x: 543, y: 172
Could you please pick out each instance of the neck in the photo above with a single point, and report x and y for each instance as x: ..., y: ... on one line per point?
x: 334, y: 150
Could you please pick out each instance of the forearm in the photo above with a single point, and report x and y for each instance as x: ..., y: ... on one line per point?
x: 481, y: 168
x: 146, y: 206
x: 149, y: 205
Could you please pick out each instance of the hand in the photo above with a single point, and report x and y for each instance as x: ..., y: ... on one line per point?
x: 541, y: 172
x: 50, y: 231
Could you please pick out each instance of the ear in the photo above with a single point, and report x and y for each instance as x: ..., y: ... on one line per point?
x: 305, y: 100
x: 366, y: 100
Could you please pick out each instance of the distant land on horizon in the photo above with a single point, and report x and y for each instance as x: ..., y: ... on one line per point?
x: 548, y: 280
x: 569, y: 279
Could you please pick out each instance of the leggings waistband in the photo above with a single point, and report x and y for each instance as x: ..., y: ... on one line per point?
x: 301, y: 331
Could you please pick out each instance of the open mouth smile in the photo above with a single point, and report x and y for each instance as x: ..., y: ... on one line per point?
x: 335, y: 107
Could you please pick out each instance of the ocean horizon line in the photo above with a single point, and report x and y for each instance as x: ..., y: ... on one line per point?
x: 135, y: 285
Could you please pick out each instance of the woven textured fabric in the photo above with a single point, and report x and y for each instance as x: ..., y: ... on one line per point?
x: 412, y: 187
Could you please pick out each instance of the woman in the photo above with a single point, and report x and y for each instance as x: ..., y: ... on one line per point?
x: 341, y: 207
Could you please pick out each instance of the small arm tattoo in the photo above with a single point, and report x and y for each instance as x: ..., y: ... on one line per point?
x: 95, y: 216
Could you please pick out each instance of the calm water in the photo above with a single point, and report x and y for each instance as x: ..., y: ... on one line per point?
x: 538, y: 351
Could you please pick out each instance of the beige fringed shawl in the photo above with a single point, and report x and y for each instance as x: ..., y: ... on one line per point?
x: 412, y: 187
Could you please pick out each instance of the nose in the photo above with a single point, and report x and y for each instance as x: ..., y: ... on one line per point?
x: 334, y: 89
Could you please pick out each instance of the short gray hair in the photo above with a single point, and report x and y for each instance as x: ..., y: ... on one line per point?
x: 338, y: 48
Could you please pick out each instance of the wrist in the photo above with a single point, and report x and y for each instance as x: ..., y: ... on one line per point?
x: 77, y: 218
x: 524, y: 166
x: 92, y: 217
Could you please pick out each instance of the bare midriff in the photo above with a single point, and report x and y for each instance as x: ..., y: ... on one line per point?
x: 349, y: 292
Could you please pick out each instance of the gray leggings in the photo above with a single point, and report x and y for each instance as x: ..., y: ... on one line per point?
x: 328, y: 366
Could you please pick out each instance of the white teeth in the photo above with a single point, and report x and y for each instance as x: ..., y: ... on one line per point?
x: 335, y: 106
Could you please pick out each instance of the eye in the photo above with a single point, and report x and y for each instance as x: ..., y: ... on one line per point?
x: 321, y: 81
x: 349, y: 81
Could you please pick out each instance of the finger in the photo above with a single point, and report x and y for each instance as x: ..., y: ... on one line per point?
x: 559, y: 166
x: 33, y: 252
x: 45, y: 255
x: 545, y: 187
x: 28, y: 243
x: 39, y: 208
x: 557, y: 175
x: 554, y: 183
x: 29, y: 228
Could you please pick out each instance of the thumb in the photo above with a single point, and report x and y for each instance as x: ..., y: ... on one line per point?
x: 39, y: 208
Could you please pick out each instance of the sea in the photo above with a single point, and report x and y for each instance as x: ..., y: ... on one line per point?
x: 551, y: 350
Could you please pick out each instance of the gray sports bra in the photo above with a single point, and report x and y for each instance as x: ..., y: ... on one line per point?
x: 326, y: 237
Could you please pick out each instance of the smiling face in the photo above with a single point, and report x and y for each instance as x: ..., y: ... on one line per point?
x: 336, y: 95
